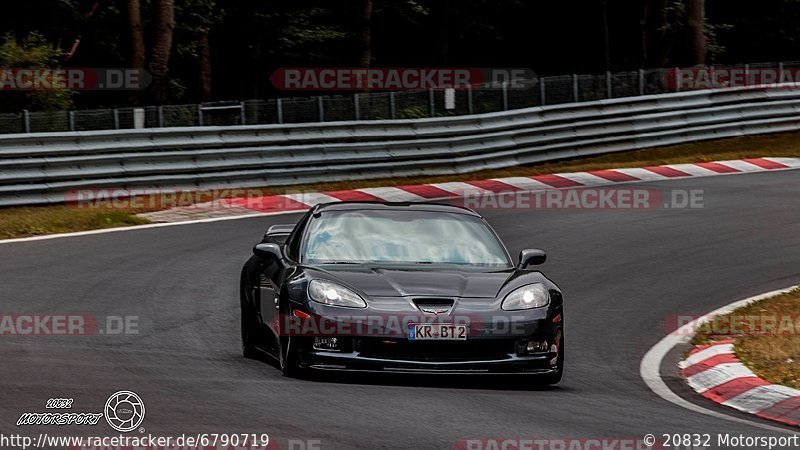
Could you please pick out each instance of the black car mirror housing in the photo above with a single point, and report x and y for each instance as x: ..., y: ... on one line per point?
x: 268, y: 251
x: 531, y: 257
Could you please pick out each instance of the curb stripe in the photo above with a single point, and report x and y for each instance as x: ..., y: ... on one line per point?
x: 268, y: 204
x: 555, y: 181
x: 717, y: 375
x: 495, y: 186
x: 765, y: 163
x: 614, y: 175
x: 694, y: 170
x: 717, y: 167
x: 760, y: 398
x: 353, y: 196
x: 705, y: 353
x: 393, y: 194
x: 668, y: 172
x: 426, y: 191
x: 585, y: 179
x: 787, y: 411
x: 709, y: 363
x: 733, y: 388
x: 455, y: 189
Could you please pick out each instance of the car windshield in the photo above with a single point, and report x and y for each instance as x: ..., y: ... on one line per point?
x: 402, y: 237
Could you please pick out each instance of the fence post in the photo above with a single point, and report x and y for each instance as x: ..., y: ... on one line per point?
x: 200, y: 115
x: 470, y: 106
x: 676, y: 74
x: 392, y: 105
x: 780, y: 72
x: 321, y: 108
x: 243, y: 113
x: 542, y: 97
x: 71, y: 115
x: 609, y: 92
x: 641, y: 81
x: 747, y: 74
x: 432, y: 102
x: 116, y: 119
x: 505, y: 95
x: 357, y: 106
x: 279, y: 104
x: 26, y: 121
x: 160, y: 116
x: 575, y: 93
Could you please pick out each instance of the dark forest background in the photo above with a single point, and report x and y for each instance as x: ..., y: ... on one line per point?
x: 201, y: 50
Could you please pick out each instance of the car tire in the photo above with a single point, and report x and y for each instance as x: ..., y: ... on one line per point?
x: 249, y: 328
x: 289, y: 362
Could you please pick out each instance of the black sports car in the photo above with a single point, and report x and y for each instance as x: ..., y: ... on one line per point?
x: 410, y: 288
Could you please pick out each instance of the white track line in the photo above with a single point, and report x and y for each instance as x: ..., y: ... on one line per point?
x: 650, y: 367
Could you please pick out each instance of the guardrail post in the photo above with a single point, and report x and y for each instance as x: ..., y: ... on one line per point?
x: 392, y: 105
x: 641, y: 81
x: 71, y: 115
x: 505, y: 95
x: 200, y: 115
x: 26, y: 121
x: 160, y: 116
x: 243, y: 113
x: 432, y: 102
x: 357, y: 106
x: 747, y: 74
x: 575, y: 93
x: 609, y: 92
x: 321, y: 108
x: 470, y: 106
x: 116, y: 119
x: 542, y: 96
x: 279, y: 105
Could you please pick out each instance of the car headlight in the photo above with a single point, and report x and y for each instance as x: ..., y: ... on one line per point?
x: 333, y: 294
x: 527, y: 297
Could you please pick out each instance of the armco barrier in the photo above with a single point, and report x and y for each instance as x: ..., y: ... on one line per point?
x: 42, y: 168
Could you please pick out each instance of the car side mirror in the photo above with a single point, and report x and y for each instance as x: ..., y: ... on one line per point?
x: 531, y: 257
x: 268, y: 251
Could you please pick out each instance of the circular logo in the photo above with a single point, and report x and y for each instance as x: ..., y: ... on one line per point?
x: 124, y: 411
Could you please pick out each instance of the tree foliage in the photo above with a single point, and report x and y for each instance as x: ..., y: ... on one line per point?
x: 226, y: 49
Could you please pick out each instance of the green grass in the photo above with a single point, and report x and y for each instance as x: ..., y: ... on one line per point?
x: 33, y: 221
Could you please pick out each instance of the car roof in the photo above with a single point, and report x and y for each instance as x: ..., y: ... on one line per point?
x: 393, y: 206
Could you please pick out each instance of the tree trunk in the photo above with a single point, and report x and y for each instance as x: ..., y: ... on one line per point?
x: 696, y: 23
x: 440, y: 13
x: 162, y: 46
x: 205, y: 67
x: 365, y: 58
x: 136, y: 30
x: 606, y: 39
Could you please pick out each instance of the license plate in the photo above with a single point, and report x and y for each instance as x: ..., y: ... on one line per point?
x: 436, y: 332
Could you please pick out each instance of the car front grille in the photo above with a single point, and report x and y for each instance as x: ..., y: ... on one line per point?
x: 400, y: 349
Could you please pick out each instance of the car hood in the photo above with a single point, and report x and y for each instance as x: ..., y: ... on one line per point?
x: 382, y: 282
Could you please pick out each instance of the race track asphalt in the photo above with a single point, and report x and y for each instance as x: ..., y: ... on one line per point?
x: 624, y: 273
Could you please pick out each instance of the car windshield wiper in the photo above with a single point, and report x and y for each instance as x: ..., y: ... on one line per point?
x: 336, y: 262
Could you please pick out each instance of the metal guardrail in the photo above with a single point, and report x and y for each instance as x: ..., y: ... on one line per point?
x: 541, y: 91
x: 45, y: 167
